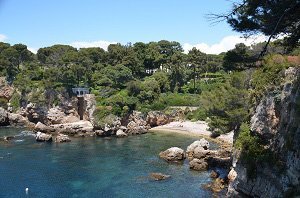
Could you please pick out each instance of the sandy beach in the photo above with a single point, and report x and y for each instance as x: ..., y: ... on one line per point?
x: 199, y: 128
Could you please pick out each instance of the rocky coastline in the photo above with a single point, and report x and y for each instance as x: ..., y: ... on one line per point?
x: 65, y: 120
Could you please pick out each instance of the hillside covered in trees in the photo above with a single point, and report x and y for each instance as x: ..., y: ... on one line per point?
x: 147, y: 76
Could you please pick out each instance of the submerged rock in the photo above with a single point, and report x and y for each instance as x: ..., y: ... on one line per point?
x: 173, y: 154
x: 43, y: 137
x: 216, y: 185
x: 214, y: 174
x: 7, y: 138
x: 159, y: 176
x: 198, y: 164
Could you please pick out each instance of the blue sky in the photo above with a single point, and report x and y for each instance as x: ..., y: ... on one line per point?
x: 84, y: 23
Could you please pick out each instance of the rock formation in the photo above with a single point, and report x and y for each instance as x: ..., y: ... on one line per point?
x: 120, y: 133
x: 3, y: 117
x: 173, y: 154
x: 198, y: 164
x: 159, y: 176
x: 6, y: 91
x: 201, y: 157
x: 137, y: 123
x: 157, y: 118
x: 276, y: 121
x: 62, y: 138
x: 43, y: 137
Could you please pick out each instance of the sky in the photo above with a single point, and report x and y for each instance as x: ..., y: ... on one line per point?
x: 98, y: 23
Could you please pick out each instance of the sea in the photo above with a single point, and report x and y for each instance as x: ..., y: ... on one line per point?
x: 96, y: 167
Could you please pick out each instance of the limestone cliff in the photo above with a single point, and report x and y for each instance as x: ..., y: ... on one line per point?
x: 276, y: 121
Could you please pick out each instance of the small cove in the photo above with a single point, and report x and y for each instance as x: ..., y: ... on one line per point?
x: 96, y: 167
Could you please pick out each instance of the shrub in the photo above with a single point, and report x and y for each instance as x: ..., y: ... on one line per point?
x: 252, y: 150
x: 3, y: 103
x: 104, y: 116
x: 15, y: 101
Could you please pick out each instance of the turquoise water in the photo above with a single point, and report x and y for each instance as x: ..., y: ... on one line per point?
x: 96, y: 167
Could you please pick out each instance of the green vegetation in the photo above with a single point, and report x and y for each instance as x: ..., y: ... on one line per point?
x: 252, y: 150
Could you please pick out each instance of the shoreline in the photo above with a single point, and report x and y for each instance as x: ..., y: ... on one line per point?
x: 198, y: 128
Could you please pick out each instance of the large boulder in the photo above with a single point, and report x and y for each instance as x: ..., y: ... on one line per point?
x: 134, y: 128
x: 17, y: 120
x: 41, y: 127
x: 200, y: 152
x: 137, y: 123
x: 57, y: 115
x: 74, y: 127
x: 43, y: 137
x: 62, y: 138
x: 3, y: 117
x: 173, y: 154
x: 121, y: 133
x: 198, y: 164
x: 35, y: 113
x: 198, y: 148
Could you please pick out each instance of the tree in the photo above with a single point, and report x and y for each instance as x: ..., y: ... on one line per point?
x: 227, y: 105
x: 23, y: 54
x: 51, y: 56
x: 238, y: 58
x: 177, y: 74
x: 271, y: 18
x: 196, y: 59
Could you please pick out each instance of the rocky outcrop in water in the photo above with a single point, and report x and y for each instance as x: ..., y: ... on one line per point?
x: 201, y: 157
x: 159, y: 176
x: 43, y: 137
x: 137, y: 123
x: 198, y: 149
x: 198, y: 164
x: 18, y: 120
x: 121, y: 133
x: 173, y: 154
x: 62, y: 138
x: 277, y: 122
x: 74, y: 128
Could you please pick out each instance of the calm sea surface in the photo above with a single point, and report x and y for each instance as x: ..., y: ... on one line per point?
x: 95, y: 167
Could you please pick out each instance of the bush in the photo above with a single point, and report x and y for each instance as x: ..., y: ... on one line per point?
x: 252, y: 150
x: 100, y: 113
x: 271, y: 74
x: 227, y: 105
x: 15, y: 101
x: 3, y: 103
x: 199, y: 114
